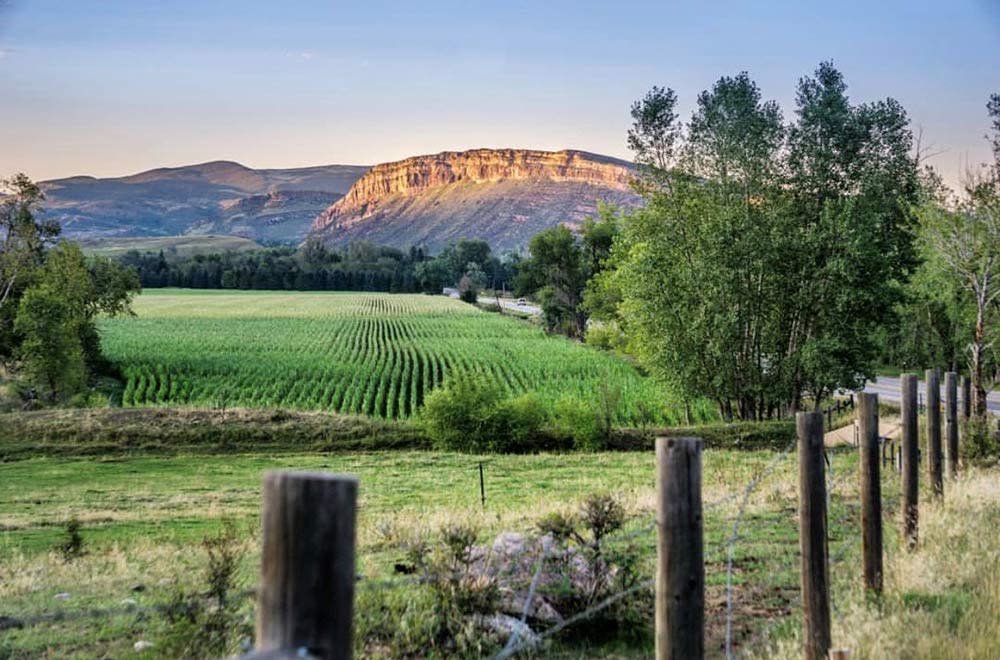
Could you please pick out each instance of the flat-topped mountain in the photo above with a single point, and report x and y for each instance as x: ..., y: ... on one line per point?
x: 504, y: 196
x: 215, y: 197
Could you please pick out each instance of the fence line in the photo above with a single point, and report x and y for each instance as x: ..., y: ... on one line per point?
x: 290, y: 634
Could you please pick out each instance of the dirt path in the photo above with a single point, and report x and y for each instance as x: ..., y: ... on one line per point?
x: 887, y: 428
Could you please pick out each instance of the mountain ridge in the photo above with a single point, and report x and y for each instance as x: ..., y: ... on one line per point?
x: 199, y: 198
x: 503, y: 196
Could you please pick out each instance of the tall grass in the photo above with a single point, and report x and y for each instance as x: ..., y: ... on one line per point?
x: 940, y: 601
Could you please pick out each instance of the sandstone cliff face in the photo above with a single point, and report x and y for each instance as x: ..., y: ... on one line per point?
x: 390, y: 183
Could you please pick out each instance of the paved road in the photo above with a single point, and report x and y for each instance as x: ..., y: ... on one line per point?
x: 888, y: 389
x: 511, y: 304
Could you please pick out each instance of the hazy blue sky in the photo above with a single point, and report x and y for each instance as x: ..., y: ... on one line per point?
x: 114, y: 87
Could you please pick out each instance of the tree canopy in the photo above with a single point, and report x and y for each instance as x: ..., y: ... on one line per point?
x: 768, y: 253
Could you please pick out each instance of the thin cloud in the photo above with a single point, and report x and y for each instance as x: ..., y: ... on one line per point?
x: 301, y: 56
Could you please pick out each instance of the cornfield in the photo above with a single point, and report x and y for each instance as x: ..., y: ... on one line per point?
x: 367, y: 354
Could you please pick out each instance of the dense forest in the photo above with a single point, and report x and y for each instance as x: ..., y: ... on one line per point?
x: 360, y: 266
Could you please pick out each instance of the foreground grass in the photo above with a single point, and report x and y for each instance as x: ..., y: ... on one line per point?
x: 143, y: 518
x: 941, y: 600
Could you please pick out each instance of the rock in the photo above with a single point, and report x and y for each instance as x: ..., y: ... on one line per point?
x: 138, y: 588
x: 129, y: 602
x: 63, y: 595
x: 142, y: 645
x: 512, y: 560
x: 507, y: 626
x: 501, y: 195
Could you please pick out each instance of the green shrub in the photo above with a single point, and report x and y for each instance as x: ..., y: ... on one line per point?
x: 980, y: 440
x: 518, y: 423
x: 471, y: 414
x: 72, y: 544
x: 605, y: 336
x: 586, y: 538
x: 589, y: 424
x: 580, y: 422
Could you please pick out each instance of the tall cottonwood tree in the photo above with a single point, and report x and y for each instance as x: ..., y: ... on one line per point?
x: 962, y: 248
x: 758, y: 274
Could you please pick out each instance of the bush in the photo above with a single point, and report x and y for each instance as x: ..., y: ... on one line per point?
x: 471, y: 414
x: 578, y: 422
x: 605, y: 336
x: 72, y: 544
x: 589, y: 424
x: 584, y: 539
x: 445, y: 615
x: 980, y: 440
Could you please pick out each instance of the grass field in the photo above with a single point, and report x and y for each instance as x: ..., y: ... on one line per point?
x: 370, y: 354
x: 142, y: 519
x: 172, y: 246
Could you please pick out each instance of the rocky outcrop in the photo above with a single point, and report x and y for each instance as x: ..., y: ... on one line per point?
x: 501, y: 195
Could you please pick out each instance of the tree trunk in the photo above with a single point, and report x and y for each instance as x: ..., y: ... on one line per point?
x: 979, y: 389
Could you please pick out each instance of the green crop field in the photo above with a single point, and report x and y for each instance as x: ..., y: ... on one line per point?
x: 369, y: 354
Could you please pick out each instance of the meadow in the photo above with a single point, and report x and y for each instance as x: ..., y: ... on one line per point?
x: 143, y: 519
x: 368, y: 354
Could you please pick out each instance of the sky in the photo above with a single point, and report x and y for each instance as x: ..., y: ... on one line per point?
x: 113, y: 87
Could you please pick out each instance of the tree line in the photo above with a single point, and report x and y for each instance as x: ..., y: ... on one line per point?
x: 361, y: 266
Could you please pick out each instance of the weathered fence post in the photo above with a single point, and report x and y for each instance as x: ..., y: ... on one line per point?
x: 951, y: 422
x: 812, y: 535
x: 680, y: 550
x: 934, y: 453
x: 966, y: 398
x: 306, y: 598
x: 909, y: 449
x: 871, y: 491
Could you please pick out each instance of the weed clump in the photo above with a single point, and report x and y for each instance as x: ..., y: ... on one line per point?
x: 72, y: 545
x: 208, y: 622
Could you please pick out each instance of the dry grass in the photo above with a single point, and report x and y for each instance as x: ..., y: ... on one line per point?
x: 941, y: 600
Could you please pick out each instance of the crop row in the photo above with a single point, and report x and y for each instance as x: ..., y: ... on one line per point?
x: 377, y: 355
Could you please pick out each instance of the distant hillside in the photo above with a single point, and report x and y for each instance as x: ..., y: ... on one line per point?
x: 172, y: 246
x: 219, y: 197
x: 504, y: 196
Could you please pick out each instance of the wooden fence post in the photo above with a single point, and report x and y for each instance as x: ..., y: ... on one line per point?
x: 935, y: 458
x: 909, y: 449
x: 812, y: 535
x: 306, y: 599
x: 680, y: 550
x: 951, y: 422
x: 871, y: 491
x: 966, y: 398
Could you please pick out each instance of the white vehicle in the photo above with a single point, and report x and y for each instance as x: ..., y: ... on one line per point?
x: 521, y: 302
